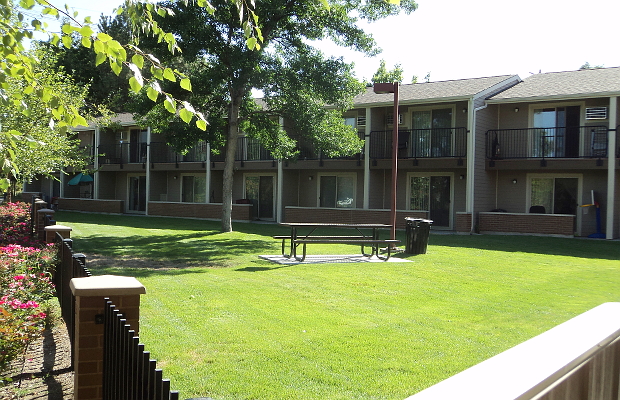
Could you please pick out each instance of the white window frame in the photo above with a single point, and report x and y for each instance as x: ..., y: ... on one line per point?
x: 336, y: 174
x: 429, y: 174
x: 196, y: 176
x: 528, y: 194
x: 538, y: 106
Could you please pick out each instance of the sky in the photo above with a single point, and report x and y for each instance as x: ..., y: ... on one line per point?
x: 459, y: 39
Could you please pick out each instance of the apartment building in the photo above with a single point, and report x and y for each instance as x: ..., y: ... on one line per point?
x: 493, y: 155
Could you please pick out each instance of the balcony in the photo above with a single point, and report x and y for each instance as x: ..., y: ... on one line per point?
x: 248, y: 149
x: 122, y: 153
x: 161, y: 152
x: 420, y: 143
x: 542, y: 143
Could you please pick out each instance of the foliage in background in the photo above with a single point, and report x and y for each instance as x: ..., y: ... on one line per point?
x: 25, y: 283
x: 382, y: 75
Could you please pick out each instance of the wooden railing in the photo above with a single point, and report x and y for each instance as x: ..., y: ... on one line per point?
x: 579, y: 359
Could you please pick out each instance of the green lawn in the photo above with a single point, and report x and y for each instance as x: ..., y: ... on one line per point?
x: 226, y: 325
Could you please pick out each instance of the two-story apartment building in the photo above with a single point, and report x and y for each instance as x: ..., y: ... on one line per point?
x: 494, y: 154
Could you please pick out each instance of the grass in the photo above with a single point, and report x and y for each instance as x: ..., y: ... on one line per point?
x: 226, y: 325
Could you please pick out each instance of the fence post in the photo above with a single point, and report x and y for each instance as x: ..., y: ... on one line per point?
x: 89, y: 295
x: 51, y: 230
x: 40, y: 223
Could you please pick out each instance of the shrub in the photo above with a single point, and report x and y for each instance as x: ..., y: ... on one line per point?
x: 15, y: 224
x: 25, y: 282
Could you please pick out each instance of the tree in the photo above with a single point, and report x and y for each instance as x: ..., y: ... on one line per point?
x: 17, y: 25
x: 49, y: 148
x: 588, y: 66
x: 301, y: 86
x: 384, y: 76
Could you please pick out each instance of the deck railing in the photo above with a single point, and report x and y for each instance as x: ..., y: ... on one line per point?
x: 129, y: 373
x: 161, y: 152
x: 556, y: 142
x: 579, y: 359
x: 420, y: 143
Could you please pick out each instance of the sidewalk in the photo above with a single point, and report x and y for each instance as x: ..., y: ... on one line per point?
x: 45, y: 370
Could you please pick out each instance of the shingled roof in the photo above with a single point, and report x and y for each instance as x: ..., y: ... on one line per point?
x: 601, y: 82
x: 432, y: 91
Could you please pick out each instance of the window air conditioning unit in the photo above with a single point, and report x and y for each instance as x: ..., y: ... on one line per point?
x: 390, y: 119
x: 361, y: 120
x: 596, y: 112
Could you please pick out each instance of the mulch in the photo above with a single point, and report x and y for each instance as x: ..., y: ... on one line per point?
x: 45, y: 370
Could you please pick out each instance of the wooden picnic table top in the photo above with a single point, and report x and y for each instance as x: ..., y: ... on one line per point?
x: 336, y: 225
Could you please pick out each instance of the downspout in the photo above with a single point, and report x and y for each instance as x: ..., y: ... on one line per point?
x: 471, y: 164
x: 611, y: 167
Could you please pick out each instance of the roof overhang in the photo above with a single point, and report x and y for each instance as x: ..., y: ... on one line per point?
x: 563, y: 97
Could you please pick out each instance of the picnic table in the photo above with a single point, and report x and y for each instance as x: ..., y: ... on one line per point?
x: 365, y: 235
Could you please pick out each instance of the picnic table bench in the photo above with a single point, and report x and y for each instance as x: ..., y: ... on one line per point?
x: 370, y: 239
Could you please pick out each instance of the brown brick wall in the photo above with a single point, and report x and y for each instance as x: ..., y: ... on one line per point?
x: 348, y: 215
x: 90, y: 205
x: 546, y: 224
x: 463, y: 222
x: 241, y: 212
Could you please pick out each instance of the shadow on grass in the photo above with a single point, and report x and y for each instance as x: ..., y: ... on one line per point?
x: 211, y: 251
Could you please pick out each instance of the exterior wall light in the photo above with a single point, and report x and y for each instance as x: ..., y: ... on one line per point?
x: 514, y: 181
x: 516, y: 109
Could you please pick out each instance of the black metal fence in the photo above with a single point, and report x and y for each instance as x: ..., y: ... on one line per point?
x: 129, y: 372
x: 70, y: 265
x: 420, y: 143
x: 556, y: 142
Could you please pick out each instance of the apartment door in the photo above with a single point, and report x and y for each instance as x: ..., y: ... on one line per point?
x: 137, y: 146
x: 260, y: 190
x: 558, y: 135
x: 136, y: 202
x: 432, y: 193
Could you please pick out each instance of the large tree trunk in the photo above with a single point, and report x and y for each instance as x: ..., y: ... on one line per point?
x: 229, y: 161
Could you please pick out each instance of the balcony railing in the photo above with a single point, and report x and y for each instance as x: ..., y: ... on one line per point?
x: 420, y: 143
x: 163, y: 153
x: 122, y: 153
x: 556, y: 142
x: 248, y: 149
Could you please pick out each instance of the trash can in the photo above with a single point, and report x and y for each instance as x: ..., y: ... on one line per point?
x: 417, y: 230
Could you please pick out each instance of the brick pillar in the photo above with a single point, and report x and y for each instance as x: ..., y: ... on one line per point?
x: 40, y: 224
x: 124, y: 292
x: 50, y: 232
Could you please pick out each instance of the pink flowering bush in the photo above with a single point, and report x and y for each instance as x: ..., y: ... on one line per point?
x: 25, y: 285
x: 15, y: 224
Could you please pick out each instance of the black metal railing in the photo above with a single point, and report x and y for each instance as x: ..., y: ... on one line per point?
x: 556, y: 142
x: 420, y: 143
x: 161, y: 152
x: 70, y: 265
x: 248, y: 149
x: 129, y: 373
x: 89, y: 153
x: 122, y: 153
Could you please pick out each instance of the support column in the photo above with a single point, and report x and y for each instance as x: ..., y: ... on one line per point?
x: 50, y: 232
x: 42, y: 214
x: 96, y: 163
x: 148, y: 170
x: 367, y: 131
x: 124, y: 292
x: 611, y: 167
x: 208, y: 173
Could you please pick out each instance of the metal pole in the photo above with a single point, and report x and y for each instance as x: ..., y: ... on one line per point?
x: 394, y: 163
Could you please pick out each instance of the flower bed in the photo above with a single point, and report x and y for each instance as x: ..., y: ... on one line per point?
x: 25, y: 282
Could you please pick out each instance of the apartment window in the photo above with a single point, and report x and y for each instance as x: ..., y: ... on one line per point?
x: 194, y: 189
x: 432, y: 132
x: 558, y: 195
x: 337, y: 191
x: 351, y: 121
